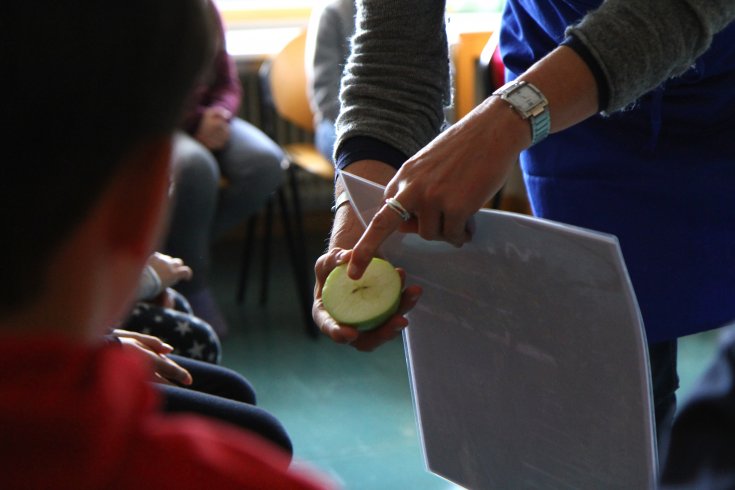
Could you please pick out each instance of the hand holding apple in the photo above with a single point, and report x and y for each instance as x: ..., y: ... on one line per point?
x: 363, y: 303
x: 369, y: 332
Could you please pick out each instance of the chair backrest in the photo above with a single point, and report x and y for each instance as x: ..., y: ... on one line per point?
x: 288, y: 84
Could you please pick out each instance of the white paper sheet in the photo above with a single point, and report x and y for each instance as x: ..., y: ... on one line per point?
x: 527, y: 355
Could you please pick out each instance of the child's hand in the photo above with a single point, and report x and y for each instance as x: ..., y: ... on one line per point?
x: 214, y: 128
x: 165, y: 370
x: 170, y: 270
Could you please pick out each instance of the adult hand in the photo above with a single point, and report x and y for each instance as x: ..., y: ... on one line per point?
x: 449, y: 180
x: 165, y: 370
x: 214, y: 128
x: 170, y: 270
x: 344, y: 334
x: 346, y: 230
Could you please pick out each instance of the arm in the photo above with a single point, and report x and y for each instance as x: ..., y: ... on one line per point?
x: 400, y: 102
x: 402, y: 105
x: 346, y: 229
x: 365, y: 106
x: 170, y: 270
x: 396, y: 83
x: 663, y: 38
x: 160, y: 273
x: 475, y: 155
x: 450, y: 177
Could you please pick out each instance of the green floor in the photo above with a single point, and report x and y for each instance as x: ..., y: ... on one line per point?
x: 349, y: 414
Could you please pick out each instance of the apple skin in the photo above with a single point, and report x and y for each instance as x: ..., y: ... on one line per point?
x: 338, y: 277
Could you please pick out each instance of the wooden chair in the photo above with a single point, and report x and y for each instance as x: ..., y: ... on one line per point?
x: 285, y: 77
x: 283, y: 88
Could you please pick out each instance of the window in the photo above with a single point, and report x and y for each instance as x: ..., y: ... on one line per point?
x: 279, y: 11
x: 256, y: 28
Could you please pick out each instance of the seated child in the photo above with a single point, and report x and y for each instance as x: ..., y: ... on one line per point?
x: 82, y: 204
x: 225, y: 169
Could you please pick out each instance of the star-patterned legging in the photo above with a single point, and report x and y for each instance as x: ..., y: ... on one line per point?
x: 189, y: 335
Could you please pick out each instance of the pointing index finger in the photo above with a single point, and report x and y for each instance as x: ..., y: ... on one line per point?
x: 384, y: 223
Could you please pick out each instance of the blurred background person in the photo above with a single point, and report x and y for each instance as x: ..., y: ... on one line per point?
x: 331, y: 26
x: 224, y: 170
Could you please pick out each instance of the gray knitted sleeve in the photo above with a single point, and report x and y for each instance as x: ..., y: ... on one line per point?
x: 396, y: 82
x: 640, y: 44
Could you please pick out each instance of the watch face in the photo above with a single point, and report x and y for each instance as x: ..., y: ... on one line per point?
x: 524, y: 98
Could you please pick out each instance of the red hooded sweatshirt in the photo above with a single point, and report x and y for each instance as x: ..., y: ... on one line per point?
x: 76, y: 417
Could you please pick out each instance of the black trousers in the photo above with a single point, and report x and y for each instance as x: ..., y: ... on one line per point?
x: 225, y: 395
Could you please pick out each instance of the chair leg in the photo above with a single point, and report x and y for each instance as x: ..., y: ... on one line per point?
x: 297, y: 255
x: 247, y: 253
x: 293, y: 183
x: 267, y: 242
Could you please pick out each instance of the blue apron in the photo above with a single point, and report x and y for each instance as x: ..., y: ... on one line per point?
x: 660, y: 176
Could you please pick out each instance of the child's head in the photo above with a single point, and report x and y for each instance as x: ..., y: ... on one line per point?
x: 87, y: 82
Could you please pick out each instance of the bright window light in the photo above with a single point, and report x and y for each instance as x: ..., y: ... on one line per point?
x: 254, y: 5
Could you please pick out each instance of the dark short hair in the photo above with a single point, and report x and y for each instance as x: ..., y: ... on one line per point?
x: 86, y: 82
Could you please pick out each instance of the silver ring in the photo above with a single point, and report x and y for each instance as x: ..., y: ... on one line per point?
x: 398, y: 208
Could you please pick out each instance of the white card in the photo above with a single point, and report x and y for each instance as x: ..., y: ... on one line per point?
x: 527, y: 355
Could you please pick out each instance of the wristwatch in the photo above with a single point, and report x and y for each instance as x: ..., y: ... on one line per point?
x: 531, y: 104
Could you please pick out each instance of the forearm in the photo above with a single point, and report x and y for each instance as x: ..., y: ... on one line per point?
x: 569, y: 86
x: 566, y: 82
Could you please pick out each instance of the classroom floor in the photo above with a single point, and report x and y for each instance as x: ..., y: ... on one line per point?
x: 349, y: 413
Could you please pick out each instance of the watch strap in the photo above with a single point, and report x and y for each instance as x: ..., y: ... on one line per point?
x: 540, y: 121
x: 540, y: 126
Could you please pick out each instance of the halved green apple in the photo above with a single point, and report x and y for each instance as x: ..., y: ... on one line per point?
x: 365, y: 303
